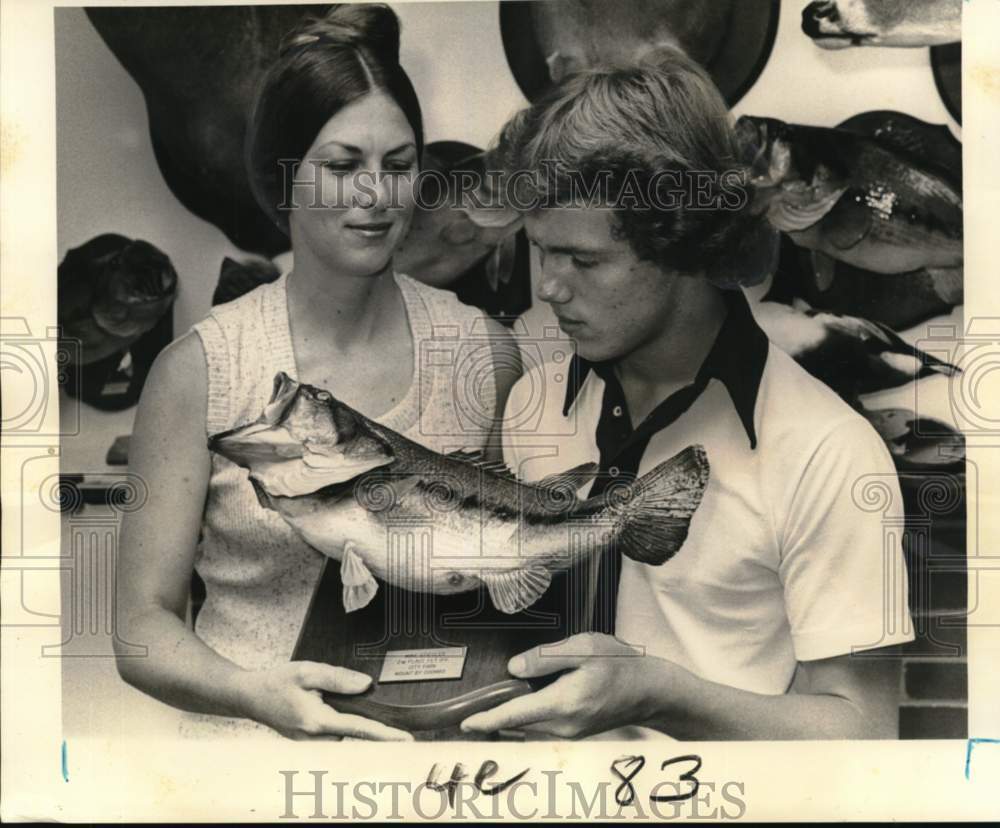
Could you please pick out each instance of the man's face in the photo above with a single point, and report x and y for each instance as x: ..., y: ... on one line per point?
x: 608, y: 301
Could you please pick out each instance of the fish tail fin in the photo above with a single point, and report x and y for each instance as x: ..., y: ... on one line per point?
x: 938, y: 366
x: 931, y: 363
x: 653, y: 516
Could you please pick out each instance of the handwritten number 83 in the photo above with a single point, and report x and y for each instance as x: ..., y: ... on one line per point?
x: 627, y: 768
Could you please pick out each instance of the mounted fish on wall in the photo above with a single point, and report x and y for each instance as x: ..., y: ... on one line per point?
x: 878, y: 220
x: 114, y: 299
x: 548, y: 39
x: 868, y: 201
x: 872, y: 223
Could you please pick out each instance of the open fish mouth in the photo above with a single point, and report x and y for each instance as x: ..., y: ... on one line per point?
x: 300, y: 443
x: 258, y: 442
x: 264, y: 439
x: 283, y: 394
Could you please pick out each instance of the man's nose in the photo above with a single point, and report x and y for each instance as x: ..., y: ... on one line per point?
x: 553, y: 287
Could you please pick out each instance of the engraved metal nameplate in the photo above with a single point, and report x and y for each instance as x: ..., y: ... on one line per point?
x: 423, y: 665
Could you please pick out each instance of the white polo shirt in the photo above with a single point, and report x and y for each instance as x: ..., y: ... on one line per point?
x: 793, y: 554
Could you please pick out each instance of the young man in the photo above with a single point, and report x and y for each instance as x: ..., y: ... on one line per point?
x: 763, y: 625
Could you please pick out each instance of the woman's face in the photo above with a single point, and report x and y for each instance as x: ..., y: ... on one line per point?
x: 353, y: 191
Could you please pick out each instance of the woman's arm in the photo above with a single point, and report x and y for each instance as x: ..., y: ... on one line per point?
x: 168, y: 451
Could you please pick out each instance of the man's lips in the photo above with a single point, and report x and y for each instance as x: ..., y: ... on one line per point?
x: 568, y: 321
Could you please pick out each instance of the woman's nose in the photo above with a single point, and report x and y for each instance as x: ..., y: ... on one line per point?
x: 375, y: 190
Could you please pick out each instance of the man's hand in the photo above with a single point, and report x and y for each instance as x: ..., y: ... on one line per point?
x: 605, y: 686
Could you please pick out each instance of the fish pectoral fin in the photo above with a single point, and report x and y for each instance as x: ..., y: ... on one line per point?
x: 516, y: 589
x: 824, y: 270
x: 360, y: 585
x: 948, y: 283
x: 575, y: 477
x: 847, y: 224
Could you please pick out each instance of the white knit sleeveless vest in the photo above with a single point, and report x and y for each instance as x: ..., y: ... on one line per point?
x: 259, y: 575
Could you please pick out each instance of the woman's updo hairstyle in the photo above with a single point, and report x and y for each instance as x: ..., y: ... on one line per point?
x: 323, y: 65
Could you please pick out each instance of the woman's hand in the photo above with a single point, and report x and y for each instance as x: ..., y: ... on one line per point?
x: 607, y: 685
x: 288, y: 699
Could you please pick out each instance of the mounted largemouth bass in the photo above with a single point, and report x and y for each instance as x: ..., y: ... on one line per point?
x: 340, y: 480
x: 857, y: 199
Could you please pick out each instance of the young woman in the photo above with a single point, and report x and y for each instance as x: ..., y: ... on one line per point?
x: 337, y: 104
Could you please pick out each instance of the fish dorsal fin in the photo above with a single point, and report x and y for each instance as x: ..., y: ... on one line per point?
x: 575, y: 477
x: 931, y: 146
x: 475, y: 456
x: 360, y: 585
x: 478, y: 459
x: 516, y: 589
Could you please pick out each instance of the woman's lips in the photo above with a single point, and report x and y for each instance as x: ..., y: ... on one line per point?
x: 371, y: 230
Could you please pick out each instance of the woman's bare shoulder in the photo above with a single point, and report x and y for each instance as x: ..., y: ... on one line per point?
x: 177, y: 385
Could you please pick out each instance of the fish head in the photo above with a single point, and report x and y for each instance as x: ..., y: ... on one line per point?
x: 136, y: 286
x: 767, y: 150
x: 794, y: 172
x: 304, y: 440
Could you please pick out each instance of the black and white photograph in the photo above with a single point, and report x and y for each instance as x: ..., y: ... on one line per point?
x: 550, y: 409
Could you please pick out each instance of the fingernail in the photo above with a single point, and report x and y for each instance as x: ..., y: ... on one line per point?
x: 467, y: 725
x: 360, y: 683
x: 517, y: 664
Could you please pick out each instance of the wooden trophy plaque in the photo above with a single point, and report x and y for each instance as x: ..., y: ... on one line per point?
x: 437, y: 659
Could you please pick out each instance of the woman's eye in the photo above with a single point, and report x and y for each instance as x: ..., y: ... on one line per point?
x: 339, y: 166
x: 399, y: 166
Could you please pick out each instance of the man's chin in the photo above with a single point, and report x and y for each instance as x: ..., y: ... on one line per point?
x: 595, y: 351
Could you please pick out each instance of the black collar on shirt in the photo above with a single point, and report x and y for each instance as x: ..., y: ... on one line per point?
x: 736, y: 359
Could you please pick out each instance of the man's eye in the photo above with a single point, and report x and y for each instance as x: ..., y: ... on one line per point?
x: 583, y: 264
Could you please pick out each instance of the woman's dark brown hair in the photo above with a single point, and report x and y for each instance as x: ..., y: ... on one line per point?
x: 323, y: 65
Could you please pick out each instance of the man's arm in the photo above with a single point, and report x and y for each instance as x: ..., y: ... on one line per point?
x: 608, y: 684
x: 843, y: 697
